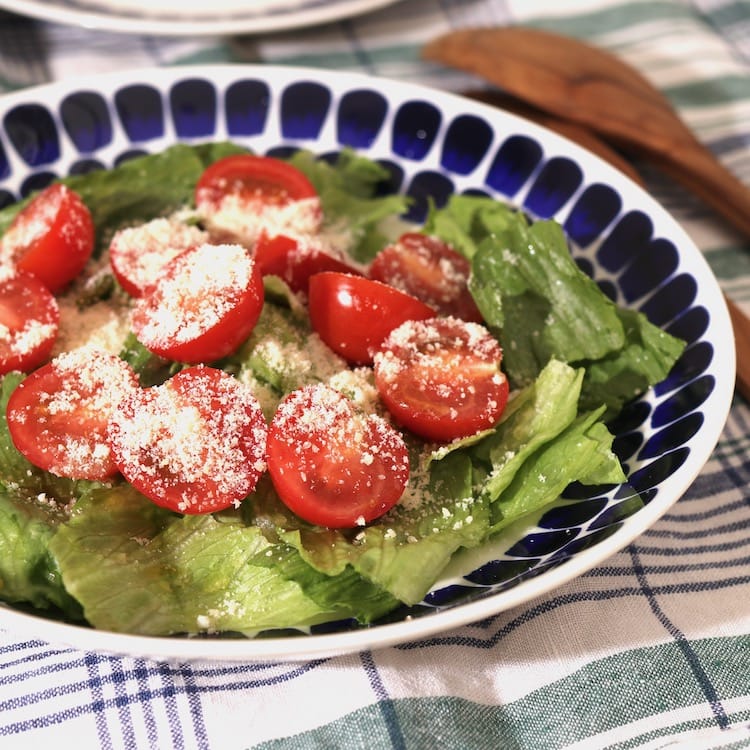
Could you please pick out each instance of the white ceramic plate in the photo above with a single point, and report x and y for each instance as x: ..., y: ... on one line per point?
x: 435, y: 144
x: 175, y: 18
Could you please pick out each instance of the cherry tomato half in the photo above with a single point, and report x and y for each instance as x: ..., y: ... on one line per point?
x: 58, y: 415
x: 194, y: 444
x: 330, y: 463
x: 441, y: 378
x: 138, y: 254
x: 29, y: 320
x: 204, y: 305
x: 52, y: 237
x: 430, y: 270
x: 241, y: 194
x: 296, y: 260
x: 353, y: 315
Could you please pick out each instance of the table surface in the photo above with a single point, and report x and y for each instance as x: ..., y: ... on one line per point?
x: 649, y: 650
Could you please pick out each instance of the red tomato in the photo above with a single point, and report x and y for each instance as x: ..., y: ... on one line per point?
x: 58, y: 415
x: 240, y: 194
x: 52, y: 237
x: 29, y: 319
x: 431, y: 270
x: 195, y: 444
x: 353, y: 315
x: 332, y: 464
x: 441, y: 378
x: 204, y: 305
x: 256, y: 177
x: 296, y: 260
x: 138, y: 254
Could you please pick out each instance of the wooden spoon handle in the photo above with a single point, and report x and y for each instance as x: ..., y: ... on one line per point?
x: 741, y: 325
x: 707, y: 178
x: 568, y: 78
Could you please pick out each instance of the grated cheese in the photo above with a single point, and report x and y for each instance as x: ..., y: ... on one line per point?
x: 141, y: 252
x: 321, y: 427
x: 102, y: 326
x: 238, y: 219
x: 71, y: 419
x: 197, y: 436
x: 197, y: 292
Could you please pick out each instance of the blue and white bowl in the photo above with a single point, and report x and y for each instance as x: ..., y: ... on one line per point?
x: 434, y: 144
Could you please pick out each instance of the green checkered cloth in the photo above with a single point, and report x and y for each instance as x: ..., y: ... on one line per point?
x: 649, y: 650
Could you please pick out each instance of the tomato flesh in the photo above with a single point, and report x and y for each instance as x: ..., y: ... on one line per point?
x: 353, y: 315
x: 58, y: 415
x: 331, y: 464
x: 204, y: 305
x: 295, y: 260
x: 194, y: 444
x: 241, y: 194
x: 441, y: 378
x: 429, y: 269
x: 52, y: 237
x: 138, y: 254
x: 29, y: 321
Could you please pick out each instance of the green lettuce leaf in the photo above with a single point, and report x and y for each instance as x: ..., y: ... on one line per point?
x: 466, y: 220
x: 582, y: 452
x: 541, y: 306
x: 402, y: 552
x: 533, y: 418
x: 150, y: 368
x: 33, y: 503
x: 28, y: 571
x: 541, y: 445
x: 136, y: 568
x: 347, y: 592
x: 646, y: 359
x: 549, y: 308
x: 349, y: 193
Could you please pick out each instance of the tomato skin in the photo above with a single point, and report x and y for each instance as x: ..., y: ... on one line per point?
x: 353, y: 315
x: 29, y: 321
x: 204, y: 305
x: 194, y: 444
x: 441, y: 378
x: 239, y: 195
x: 331, y: 464
x: 57, y: 416
x: 52, y: 237
x: 295, y: 260
x: 264, y: 178
x: 431, y: 270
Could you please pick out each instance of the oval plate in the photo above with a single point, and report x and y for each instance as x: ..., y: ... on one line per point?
x: 174, y: 19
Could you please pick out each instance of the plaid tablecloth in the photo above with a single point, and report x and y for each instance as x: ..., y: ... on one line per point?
x: 649, y: 650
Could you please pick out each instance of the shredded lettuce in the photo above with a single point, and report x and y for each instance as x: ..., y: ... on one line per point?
x: 541, y: 306
x: 33, y: 504
x: 138, y: 569
x: 105, y: 553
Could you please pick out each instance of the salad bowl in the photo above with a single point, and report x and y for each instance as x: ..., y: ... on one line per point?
x: 434, y: 145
